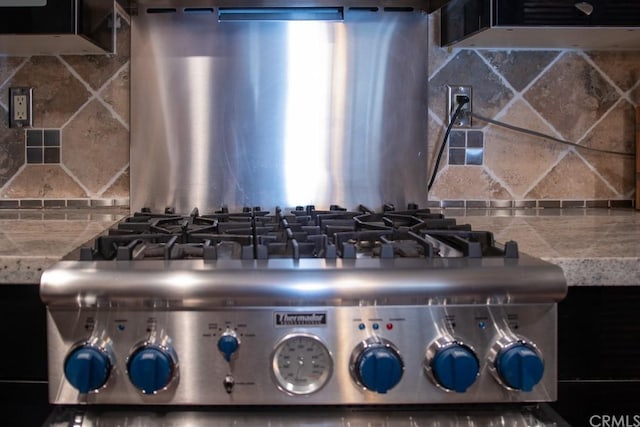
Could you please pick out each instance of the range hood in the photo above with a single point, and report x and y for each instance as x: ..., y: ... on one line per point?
x: 58, y: 27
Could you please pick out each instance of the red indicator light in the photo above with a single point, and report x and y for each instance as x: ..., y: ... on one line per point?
x: 389, y: 326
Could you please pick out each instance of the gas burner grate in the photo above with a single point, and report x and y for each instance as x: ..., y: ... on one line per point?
x: 301, y: 232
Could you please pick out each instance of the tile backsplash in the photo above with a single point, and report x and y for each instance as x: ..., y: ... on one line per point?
x: 77, y: 152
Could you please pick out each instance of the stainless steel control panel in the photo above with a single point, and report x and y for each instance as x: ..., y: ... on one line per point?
x: 304, y: 355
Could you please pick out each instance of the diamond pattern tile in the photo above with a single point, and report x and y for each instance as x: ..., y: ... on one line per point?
x: 467, y: 68
x: 572, y: 96
x: 616, y: 132
x: 467, y: 182
x: 519, y: 67
x: 57, y: 93
x: 8, y: 64
x: 120, y: 188
x: 95, y: 146
x: 116, y: 94
x: 571, y: 178
x: 517, y: 159
x: 623, y: 67
x: 42, y: 181
x: 12, y: 151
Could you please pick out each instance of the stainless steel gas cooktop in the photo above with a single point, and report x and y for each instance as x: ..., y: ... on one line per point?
x: 301, y: 307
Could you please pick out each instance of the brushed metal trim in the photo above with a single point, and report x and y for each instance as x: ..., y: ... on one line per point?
x: 198, y: 284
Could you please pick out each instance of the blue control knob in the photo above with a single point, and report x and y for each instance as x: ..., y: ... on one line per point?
x: 520, y: 367
x: 379, y: 368
x: 455, y: 367
x: 150, y: 369
x: 87, y: 368
x: 228, y: 344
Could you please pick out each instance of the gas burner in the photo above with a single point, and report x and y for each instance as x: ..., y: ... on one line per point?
x: 301, y: 232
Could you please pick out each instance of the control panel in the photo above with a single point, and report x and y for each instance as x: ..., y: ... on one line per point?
x: 305, y: 355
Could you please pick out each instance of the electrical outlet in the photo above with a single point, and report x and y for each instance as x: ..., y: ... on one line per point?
x: 20, y: 107
x: 454, y: 92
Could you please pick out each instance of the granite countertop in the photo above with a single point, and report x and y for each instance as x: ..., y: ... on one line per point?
x: 598, y: 247
x: 33, y: 240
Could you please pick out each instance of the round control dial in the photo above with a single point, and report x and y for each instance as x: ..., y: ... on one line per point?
x: 517, y: 364
x: 228, y: 344
x: 151, y: 368
x: 376, y: 365
x: 301, y: 364
x: 87, y: 367
x: 453, y: 366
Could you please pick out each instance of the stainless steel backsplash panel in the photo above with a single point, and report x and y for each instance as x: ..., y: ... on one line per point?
x: 265, y: 113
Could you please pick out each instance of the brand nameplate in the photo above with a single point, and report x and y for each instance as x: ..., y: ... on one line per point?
x: 300, y: 319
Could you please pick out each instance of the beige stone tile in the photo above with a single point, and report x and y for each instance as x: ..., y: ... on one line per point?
x: 623, y: 67
x: 95, y: 146
x: 57, y: 95
x: 97, y: 69
x: 469, y: 183
x: 8, y: 64
x: 116, y: 94
x: 44, y: 181
x: 436, y: 133
x: 518, y: 159
x: 571, y: 178
x: 120, y: 188
x: 11, y: 149
x: 635, y: 95
x: 617, y: 133
x: 572, y: 96
x: 467, y: 68
x: 519, y: 67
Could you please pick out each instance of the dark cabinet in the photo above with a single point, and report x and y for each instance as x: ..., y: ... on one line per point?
x: 593, y: 24
x: 567, y: 12
x: 58, y: 27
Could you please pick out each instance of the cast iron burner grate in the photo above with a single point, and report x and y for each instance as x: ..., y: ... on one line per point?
x: 302, y: 232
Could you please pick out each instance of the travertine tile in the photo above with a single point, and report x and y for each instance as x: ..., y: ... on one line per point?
x: 467, y: 182
x: 116, y: 93
x: 95, y: 146
x: 45, y: 181
x: 436, y: 133
x: 120, y: 188
x: 518, y: 159
x: 572, y: 96
x: 571, y: 178
x: 97, y: 69
x: 623, y: 67
x: 57, y: 94
x: 616, y: 133
x: 8, y: 64
x: 519, y: 67
x: 11, y: 149
x: 466, y: 68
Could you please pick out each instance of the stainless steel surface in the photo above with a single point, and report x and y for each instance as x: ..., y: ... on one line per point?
x: 539, y: 416
x: 200, y: 284
x: 204, y: 370
x: 263, y: 112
